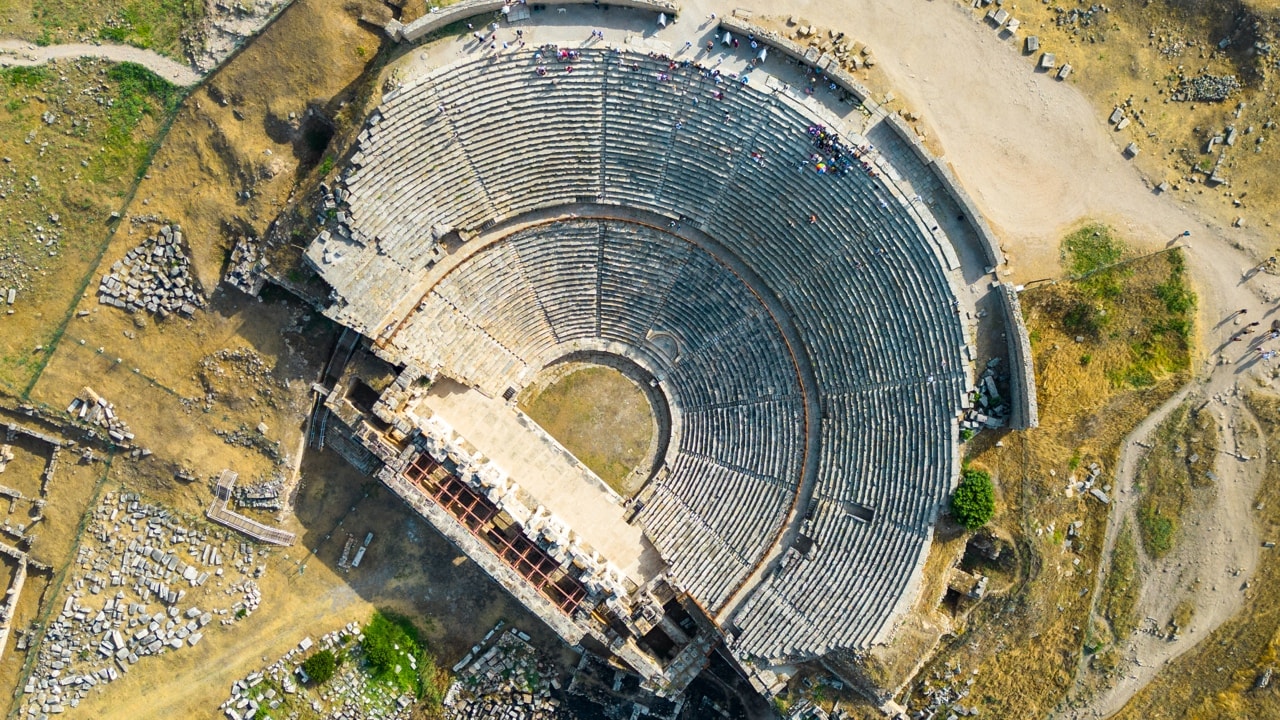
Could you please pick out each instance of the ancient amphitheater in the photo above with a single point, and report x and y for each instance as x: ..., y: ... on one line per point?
x: 800, y: 286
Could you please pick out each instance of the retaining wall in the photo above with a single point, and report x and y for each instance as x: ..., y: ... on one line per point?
x: 433, y: 21
x: 1022, y: 373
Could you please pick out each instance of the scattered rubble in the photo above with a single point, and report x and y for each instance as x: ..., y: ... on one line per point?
x: 218, y: 512
x: 225, y: 27
x: 245, y: 271
x: 92, y: 408
x: 502, y: 677
x: 1206, y: 88
x: 152, y: 559
x: 283, y: 690
x: 946, y: 693
x: 986, y: 406
x: 154, y: 276
x: 1091, y: 485
x: 1079, y: 17
x: 263, y: 495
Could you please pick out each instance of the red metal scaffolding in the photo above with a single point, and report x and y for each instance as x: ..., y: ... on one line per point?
x: 477, y: 514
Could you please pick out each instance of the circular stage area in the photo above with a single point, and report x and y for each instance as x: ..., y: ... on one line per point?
x: 794, y: 308
x: 602, y: 416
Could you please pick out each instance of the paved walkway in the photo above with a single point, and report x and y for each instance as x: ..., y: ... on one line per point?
x: 21, y: 52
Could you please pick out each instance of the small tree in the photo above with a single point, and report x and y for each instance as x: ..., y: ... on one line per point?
x: 974, y: 501
x: 320, y: 666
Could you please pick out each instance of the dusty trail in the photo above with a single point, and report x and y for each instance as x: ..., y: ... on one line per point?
x: 1218, y: 552
x: 20, y: 52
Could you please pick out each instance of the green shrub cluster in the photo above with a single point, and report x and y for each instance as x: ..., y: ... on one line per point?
x: 320, y: 666
x: 974, y: 501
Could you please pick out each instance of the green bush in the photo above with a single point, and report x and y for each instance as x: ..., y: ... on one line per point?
x: 1090, y: 249
x: 24, y: 76
x: 320, y: 666
x: 1178, y: 297
x: 974, y: 501
x: 389, y: 641
x: 1083, y: 318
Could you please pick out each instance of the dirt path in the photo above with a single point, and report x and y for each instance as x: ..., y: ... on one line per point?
x: 1215, y: 557
x: 20, y: 52
x: 1218, y: 551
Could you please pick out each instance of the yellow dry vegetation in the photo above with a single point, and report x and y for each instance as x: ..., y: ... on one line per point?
x: 1028, y: 645
x: 73, y: 138
x: 600, y: 416
x: 160, y: 25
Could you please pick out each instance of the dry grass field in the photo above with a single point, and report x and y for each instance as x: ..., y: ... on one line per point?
x: 600, y: 415
x: 1220, y: 677
x: 1023, y: 647
x: 159, y: 25
x: 74, y: 136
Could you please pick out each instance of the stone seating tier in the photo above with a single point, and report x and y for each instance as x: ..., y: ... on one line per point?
x: 864, y: 285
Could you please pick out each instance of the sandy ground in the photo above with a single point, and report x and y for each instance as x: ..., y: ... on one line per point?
x: 20, y: 52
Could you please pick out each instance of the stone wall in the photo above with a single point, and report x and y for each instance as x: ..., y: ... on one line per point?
x: 1022, y: 373
x: 433, y: 21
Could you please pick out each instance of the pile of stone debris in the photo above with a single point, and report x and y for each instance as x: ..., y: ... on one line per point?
x: 94, y: 409
x: 124, y: 601
x: 505, y: 681
x: 987, y: 409
x: 281, y: 691
x: 154, y: 276
x: 244, y: 272
x: 947, y: 694
x: 1206, y: 88
x: 263, y: 495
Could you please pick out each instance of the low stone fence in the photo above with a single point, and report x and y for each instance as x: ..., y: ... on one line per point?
x: 433, y: 21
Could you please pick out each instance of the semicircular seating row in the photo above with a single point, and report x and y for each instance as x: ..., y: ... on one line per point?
x: 484, y: 141
x: 737, y: 466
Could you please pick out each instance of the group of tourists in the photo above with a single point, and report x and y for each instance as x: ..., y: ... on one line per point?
x: 834, y: 157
